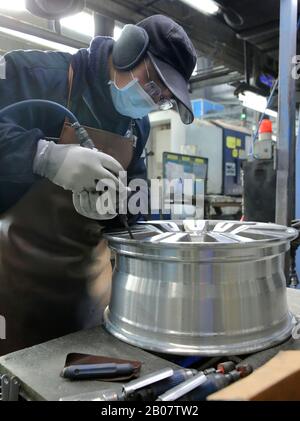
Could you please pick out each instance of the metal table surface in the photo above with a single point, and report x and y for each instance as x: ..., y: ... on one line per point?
x: 38, y: 368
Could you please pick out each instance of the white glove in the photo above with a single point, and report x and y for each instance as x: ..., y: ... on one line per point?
x: 89, y: 204
x: 100, y: 206
x: 75, y: 168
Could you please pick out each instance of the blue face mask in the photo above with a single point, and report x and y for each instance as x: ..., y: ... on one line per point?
x: 132, y: 101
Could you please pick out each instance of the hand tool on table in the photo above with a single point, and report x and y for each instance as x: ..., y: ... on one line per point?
x: 86, y: 142
x: 160, y: 380
x: 217, y: 381
x: 151, y: 392
x: 183, y: 388
x: 197, y: 382
x: 94, y: 371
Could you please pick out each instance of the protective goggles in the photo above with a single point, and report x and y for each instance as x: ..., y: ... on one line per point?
x: 155, y: 92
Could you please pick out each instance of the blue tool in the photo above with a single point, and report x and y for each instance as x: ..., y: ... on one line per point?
x: 96, y: 371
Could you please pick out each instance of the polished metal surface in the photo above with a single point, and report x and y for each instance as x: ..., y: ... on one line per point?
x: 200, y: 287
x: 286, y: 139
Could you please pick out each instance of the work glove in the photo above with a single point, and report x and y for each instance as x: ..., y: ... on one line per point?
x: 103, y: 204
x: 75, y: 168
x: 90, y: 205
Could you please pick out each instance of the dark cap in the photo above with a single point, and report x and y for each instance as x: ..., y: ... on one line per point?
x: 174, y: 58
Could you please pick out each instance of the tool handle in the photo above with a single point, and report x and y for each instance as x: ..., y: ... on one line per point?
x: 178, y: 377
x: 184, y: 388
x: 83, y: 136
x: 124, y: 220
x: 226, y: 367
x: 201, y: 393
x: 213, y: 383
x: 149, y: 379
x: 91, y: 371
x: 151, y: 393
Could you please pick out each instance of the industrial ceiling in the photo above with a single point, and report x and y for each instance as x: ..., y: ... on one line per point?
x: 222, y: 36
x: 243, y: 32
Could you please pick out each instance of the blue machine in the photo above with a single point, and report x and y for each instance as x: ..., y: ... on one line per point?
x: 225, y: 147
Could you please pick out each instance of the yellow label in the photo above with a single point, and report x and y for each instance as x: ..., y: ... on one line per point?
x: 231, y: 142
x: 173, y: 157
x: 238, y: 143
x: 186, y: 159
x: 235, y: 153
x: 199, y: 161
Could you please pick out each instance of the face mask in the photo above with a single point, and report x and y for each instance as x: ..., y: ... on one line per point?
x: 132, y: 101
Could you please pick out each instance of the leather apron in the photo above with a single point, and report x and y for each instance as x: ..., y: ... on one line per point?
x: 55, y: 269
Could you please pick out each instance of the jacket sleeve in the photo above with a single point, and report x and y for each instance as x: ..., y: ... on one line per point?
x: 17, y: 150
x: 18, y: 137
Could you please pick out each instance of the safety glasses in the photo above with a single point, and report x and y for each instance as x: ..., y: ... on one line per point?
x: 155, y: 92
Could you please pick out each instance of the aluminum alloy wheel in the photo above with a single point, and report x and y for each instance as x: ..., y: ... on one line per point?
x: 200, y: 287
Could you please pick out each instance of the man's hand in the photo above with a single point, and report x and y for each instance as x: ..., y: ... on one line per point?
x: 75, y: 168
x: 89, y: 204
x: 101, y: 205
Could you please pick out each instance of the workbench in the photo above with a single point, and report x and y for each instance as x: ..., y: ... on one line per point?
x: 39, y: 367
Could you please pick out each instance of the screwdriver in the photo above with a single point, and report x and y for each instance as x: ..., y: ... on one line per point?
x: 86, y: 142
x: 144, y: 388
x: 94, y: 371
x: 124, y: 220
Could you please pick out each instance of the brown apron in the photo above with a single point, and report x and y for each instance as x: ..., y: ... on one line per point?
x: 55, y: 270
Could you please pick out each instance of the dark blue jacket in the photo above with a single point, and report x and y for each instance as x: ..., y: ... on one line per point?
x: 44, y: 75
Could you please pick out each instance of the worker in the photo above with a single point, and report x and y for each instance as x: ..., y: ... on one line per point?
x: 55, y: 268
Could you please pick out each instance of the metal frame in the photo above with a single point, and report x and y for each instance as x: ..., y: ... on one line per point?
x: 285, y: 195
x: 104, y: 26
x: 27, y: 28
